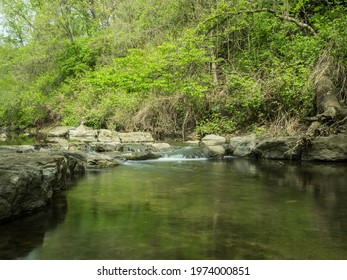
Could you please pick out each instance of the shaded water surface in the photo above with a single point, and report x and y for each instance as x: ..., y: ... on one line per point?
x: 228, y: 209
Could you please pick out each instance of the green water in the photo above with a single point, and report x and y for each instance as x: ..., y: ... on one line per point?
x: 227, y: 209
x: 18, y: 139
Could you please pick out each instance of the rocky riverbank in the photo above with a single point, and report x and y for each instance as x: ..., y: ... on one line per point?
x: 29, y: 180
x: 31, y: 174
x: 332, y: 148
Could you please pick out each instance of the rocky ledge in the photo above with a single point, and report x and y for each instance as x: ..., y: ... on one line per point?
x: 30, y: 175
x: 332, y: 148
x: 29, y: 180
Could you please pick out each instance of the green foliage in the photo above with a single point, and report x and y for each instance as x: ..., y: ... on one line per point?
x: 216, y: 124
x: 76, y: 58
x: 332, y: 30
x: 111, y: 95
x: 219, y: 66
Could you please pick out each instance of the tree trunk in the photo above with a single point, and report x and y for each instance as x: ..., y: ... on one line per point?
x: 329, y: 108
x: 330, y: 113
x: 328, y: 105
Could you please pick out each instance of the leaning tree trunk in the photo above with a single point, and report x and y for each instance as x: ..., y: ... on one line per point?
x: 327, y: 102
x: 330, y: 112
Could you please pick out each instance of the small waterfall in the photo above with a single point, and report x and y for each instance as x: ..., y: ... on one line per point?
x: 185, y: 153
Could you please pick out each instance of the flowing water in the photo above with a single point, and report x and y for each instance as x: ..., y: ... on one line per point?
x: 178, y: 208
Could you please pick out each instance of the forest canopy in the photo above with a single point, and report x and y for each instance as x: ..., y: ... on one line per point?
x: 171, y: 67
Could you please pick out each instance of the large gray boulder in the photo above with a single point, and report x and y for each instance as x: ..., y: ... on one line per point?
x: 28, y: 180
x: 214, y: 145
x: 215, y: 151
x: 331, y: 148
x: 278, y: 148
x: 243, y: 146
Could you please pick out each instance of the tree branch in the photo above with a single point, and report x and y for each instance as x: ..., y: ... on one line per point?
x: 270, y: 11
x: 287, y: 18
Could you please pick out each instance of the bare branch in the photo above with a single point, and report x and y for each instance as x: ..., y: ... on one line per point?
x: 270, y: 11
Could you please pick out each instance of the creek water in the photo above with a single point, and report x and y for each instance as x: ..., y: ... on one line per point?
x: 176, y: 208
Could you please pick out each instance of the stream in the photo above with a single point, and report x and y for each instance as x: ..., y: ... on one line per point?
x: 191, y: 208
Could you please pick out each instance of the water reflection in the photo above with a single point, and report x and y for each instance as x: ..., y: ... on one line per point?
x: 21, y: 236
x: 18, y: 139
x: 230, y: 209
x: 324, y: 183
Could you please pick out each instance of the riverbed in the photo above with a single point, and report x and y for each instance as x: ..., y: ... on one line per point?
x: 176, y: 208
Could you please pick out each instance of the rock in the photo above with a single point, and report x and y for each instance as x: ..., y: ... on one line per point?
x: 242, y: 146
x: 83, y: 133
x: 278, y: 148
x: 331, y: 148
x: 212, y: 140
x: 106, y: 135
x: 56, y: 143
x: 96, y: 160
x: 160, y: 147
x: 106, y: 146
x: 60, y: 131
x: 28, y: 180
x: 136, y: 137
x: 79, y: 146
x: 18, y: 149
x: 140, y: 156
x: 76, y: 163
x: 216, y: 151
